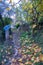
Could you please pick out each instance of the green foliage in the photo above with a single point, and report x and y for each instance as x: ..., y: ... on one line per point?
x: 17, y: 25
x: 39, y: 37
x: 6, y: 21
x: 40, y: 19
x: 31, y: 12
x: 38, y: 63
x: 26, y: 39
x: 0, y: 25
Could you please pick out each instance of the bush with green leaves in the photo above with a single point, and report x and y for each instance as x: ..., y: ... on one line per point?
x: 26, y: 38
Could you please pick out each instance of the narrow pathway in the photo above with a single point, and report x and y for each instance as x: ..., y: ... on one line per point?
x: 16, y: 40
x: 16, y: 43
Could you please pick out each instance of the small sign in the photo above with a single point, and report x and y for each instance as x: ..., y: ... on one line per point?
x: 7, y: 27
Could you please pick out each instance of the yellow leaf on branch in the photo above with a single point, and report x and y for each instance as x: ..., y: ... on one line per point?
x: 8, y: 8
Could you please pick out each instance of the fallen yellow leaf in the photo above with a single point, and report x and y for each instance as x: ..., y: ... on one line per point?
x: 41, y: 57
x: 26, y: 62
x: 20, y: 60
x: 34, y: 26
x: 24, y: 56
x: 29, y: 63
x: 21, y: 63
x: 36, y: 47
